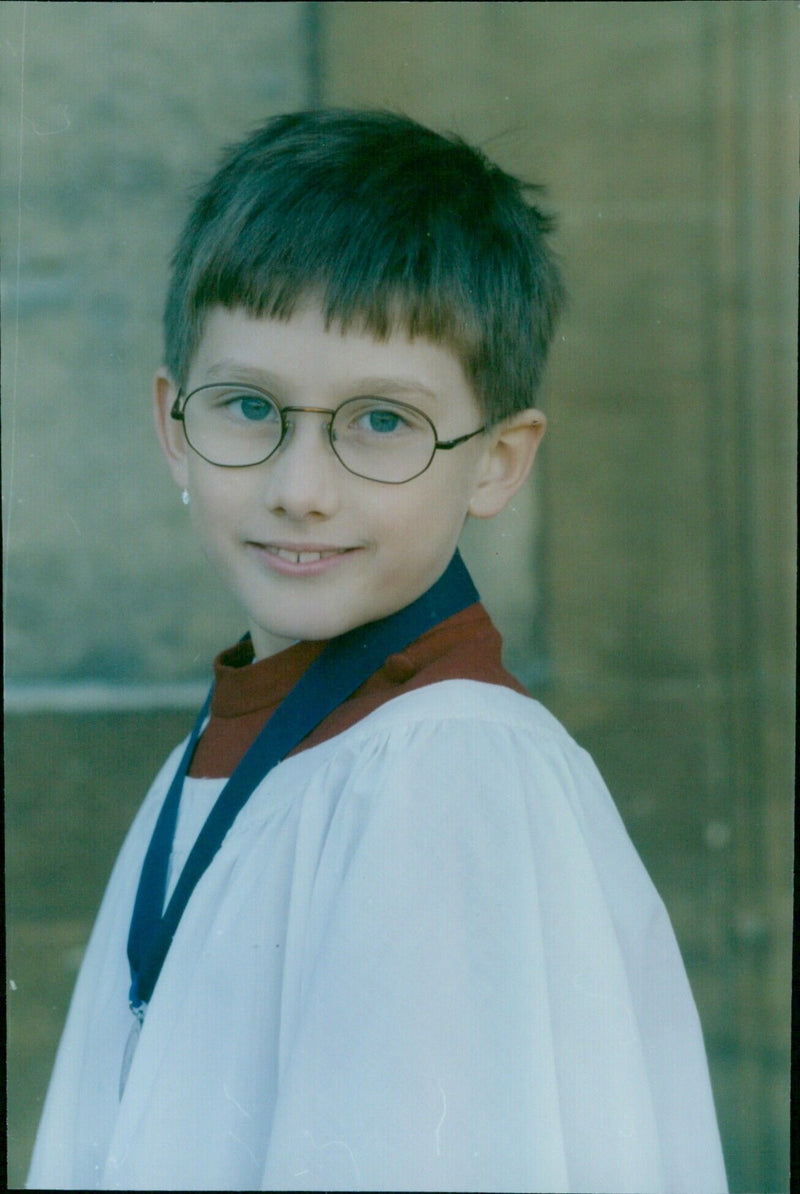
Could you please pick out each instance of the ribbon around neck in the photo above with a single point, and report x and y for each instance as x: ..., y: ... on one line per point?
x: 344, y: 665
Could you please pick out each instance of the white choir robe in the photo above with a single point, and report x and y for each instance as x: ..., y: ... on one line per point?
x: 425, y: 957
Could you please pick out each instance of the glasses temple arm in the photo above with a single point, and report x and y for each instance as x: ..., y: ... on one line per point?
x: 445, y: 445
x: 176, y: 412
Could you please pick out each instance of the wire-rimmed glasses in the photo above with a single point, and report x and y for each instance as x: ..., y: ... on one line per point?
x: 380, y: 439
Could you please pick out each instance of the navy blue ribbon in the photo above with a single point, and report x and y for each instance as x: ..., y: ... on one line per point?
x: 344, y: 665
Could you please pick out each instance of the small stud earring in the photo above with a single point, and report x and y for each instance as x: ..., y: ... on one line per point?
x: 185, y: 497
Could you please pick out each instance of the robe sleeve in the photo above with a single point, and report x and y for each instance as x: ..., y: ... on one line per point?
x: 491, y: 996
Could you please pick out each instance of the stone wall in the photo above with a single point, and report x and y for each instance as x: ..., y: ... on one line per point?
x: 111, y: 113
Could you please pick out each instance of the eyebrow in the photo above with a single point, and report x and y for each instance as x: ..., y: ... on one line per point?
x: 230, y: 370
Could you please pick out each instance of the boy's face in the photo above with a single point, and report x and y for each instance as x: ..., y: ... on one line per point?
x: 391, y: 542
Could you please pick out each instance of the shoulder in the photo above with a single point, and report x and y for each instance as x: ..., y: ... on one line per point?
x: 456, y: 767
x: 477, y: 761
x: 466, y: 703
x: 462, y: 785
x: 471, y: 733
x: 457, y: 744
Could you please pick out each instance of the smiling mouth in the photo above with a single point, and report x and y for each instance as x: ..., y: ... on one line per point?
x: 305, y: 557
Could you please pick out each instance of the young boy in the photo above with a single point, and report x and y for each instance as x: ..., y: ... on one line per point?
x: 409, y: 944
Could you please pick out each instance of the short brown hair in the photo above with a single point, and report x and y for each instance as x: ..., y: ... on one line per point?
x: 393, y: 226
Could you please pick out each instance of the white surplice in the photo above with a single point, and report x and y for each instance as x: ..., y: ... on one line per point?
x: 426, y: 956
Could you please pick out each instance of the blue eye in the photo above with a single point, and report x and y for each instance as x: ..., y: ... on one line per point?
x: 381, y: 421
x: 251, y: 409
x: 255, y: 408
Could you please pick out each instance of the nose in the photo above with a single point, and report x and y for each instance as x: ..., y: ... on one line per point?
x: 302, y: 479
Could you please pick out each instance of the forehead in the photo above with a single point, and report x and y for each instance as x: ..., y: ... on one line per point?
x: 302, y: 356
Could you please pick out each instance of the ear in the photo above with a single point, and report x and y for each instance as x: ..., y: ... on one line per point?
x: 169, y: 430
x: 507, y: 462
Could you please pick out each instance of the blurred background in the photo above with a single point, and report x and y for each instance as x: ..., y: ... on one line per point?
x: 644, y: 582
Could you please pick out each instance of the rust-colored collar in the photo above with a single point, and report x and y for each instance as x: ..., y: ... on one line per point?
x: 464, y: 647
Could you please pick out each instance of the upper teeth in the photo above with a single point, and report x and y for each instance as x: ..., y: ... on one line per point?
x: 303, y: 557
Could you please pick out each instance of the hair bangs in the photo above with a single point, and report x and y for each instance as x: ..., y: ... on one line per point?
x: 381, y: 281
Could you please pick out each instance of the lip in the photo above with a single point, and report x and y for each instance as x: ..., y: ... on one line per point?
x: 287, y: 559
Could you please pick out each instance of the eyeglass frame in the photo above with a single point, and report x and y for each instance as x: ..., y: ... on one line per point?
x: 438, y: 445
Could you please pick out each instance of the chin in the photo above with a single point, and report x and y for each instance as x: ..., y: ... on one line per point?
x: 306, y: 630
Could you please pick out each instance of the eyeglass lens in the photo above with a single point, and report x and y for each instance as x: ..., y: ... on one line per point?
x: 375, y: 438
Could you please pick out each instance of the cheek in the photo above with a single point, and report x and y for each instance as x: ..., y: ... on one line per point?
x: 218, y: 491
x: 446, y: 499
x: 423, y: 522
x: 216, y: 510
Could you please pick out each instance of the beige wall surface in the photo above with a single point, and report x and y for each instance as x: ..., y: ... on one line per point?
x: 111, y: 112
x: 651, y: 564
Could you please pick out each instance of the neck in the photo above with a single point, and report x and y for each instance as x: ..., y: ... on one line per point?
x: 266, y: 644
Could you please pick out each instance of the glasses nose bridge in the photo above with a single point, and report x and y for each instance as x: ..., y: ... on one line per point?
x: 308, y: 410
x: 288, y: 424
